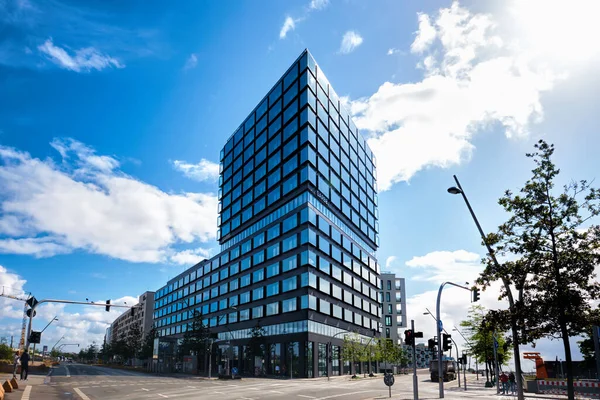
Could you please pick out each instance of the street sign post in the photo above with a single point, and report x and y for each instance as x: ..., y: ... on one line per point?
x: 388, y: 379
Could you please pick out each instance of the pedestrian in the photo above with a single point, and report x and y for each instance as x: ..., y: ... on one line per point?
x: 513, y: 382
x: 504, y: 380
x: 24, y: 365
x: 16, y: 361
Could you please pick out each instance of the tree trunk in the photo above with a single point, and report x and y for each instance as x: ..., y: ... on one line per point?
x: 567, y: 346
x: 515, y: 337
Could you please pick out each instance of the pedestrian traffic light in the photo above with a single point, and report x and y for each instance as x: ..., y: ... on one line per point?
x: 446, y: 342
x: 35, y: 337
x: 408, y: 337
x: 107, y: 305
x: 475, y: 294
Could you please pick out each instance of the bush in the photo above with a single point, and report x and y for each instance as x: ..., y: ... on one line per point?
x: 6, y: 352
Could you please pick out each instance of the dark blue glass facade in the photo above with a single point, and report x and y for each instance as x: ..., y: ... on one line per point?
x: 298, y: 232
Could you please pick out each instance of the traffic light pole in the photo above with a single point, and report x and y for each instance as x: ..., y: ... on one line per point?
x: 62, y: 302
x: 414, y: 360
x: 439, y: 334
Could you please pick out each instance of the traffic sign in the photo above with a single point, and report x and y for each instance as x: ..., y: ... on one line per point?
x: 440, y: 325
x: 388, y: 379
x: 234, y: 370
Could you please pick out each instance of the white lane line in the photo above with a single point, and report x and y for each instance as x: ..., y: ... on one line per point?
x: 145, y: 390
x: 26, y: 393
x: 162, y: 395
x: 275, y: 391
x: 192, y: 387
x: 306, y: 397
x: 68, y: 373
x: 81, y: 394
x: 345, y: 394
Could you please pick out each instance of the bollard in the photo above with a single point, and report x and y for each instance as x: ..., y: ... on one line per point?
x: 13, y: 383
x: 7, y: 386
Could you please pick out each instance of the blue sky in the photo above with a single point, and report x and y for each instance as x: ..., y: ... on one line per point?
x: 112, y: 117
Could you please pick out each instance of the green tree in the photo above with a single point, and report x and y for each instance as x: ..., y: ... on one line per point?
x: 587, y: 349
x: 6, y: 353
x: 257, y: 342
x: 391, y: 353
x: 147, y: 349
x: 195, y: 338
x: 134, y: 341
x: 55, y: 353
x: 479, y: 328
x: 554, y: 248
x: 352, y: 349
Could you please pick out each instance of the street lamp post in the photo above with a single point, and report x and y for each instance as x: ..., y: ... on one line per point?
x: 439, y: 333
x: 51, y: 321
x: 468, y: 343
x: 459, y: 190
x: 57, y: 342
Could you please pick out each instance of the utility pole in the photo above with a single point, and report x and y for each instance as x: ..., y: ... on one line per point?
x: 596, y: 336
x: 496, y: 363
x: 414, y: 360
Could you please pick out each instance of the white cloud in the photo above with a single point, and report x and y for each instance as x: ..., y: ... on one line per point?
x: 191, y: 62
x: 350, y: 41
x: 459, y: 266
x: 203, y: 171
x: 13, y: 285
x: 318, y: 4
x: 190, y: 257
x: 472, y: 80
x: 393, y: 51
x: 390, y: 261
x: 86, y: 203
x: 425, y: 35
x: 288, y: 25
x: 85, y: 59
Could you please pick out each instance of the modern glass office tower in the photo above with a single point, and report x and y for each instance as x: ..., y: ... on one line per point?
x: 298, y: 234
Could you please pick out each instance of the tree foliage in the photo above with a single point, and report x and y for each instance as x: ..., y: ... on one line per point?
x: 147, y: 349
x: 480, y: 327
x: 195, y: 339
x: 256, y: 343
x: 6, y: 353
x: 352, y: 349
x: 390, y: 352
x: 553, y: 250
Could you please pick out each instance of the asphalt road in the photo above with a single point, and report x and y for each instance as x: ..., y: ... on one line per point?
x: 84, y: 382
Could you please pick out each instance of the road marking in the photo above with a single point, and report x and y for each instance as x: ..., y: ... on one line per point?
x: 307, y: 397
x: 81, y: 394
x: 68, y: 373
x: 192, y: 387
x: 145, y: 390
x: 26, y: 393
x: 162, y: 395
x: 275, y: 391
x: 345, y: 394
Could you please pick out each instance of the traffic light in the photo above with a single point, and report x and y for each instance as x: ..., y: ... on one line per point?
x: 35, y: 337
x: 431, y: 344
x: 409, y: 338
x: 475, y: 294
x: 107, y: 305
x: 446, y: 342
